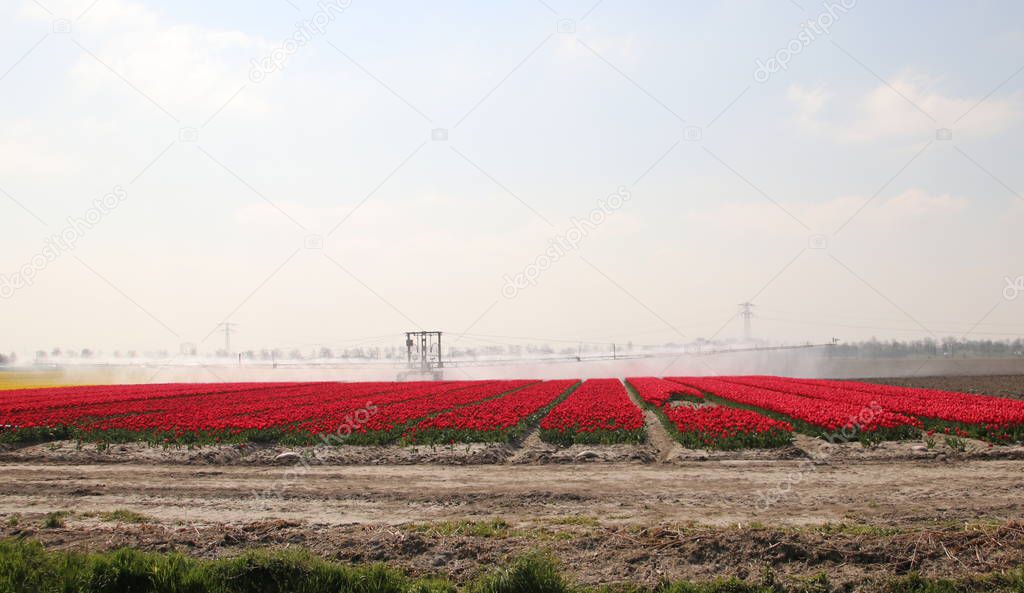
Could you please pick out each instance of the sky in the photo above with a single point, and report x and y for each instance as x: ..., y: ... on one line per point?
x: 339, y: 172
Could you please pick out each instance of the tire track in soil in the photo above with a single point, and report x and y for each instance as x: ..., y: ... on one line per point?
x: 659, y: 438
x: 530, y: 446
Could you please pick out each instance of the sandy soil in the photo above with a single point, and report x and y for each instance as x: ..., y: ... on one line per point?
x: 607, y: 522
x: 785, y: 493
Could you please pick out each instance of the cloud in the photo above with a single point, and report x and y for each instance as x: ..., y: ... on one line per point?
x: 913, y: 206
x: 187, y: 69
x: 621, y: 50
x: 315, y: 218
x: 899, y: 111
x: 25, y: 149
x: 102, y: 15
x: 809, y: 103
x: 916, y: 203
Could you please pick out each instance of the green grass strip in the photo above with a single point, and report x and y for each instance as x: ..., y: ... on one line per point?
x: 25, y: 567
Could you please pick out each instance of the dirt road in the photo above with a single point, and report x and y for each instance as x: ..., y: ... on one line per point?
x: 715, y: 493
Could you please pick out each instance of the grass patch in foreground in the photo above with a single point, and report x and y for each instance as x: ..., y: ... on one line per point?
x: 55, y: 520
x: 26, y: 567
x: 577, y: 520
x: 492, y: 528
x: 125, y: 516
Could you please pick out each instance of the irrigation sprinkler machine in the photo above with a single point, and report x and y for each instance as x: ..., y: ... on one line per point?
x: 423, y: 355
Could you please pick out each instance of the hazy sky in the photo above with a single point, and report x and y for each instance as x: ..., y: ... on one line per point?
x: 820, y: 191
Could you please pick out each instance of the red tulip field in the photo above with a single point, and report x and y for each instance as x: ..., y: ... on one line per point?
x: 699, y: 412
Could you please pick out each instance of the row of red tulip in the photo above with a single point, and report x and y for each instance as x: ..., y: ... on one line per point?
x: 599, y: 411
x: 494, y: 420
x: 993, y: 419
x: 382, y: 423
x: 930, y: 403
x: 658, y: 392
x: 182, y: 411
x: 859, y: 408
x: 818, y: 413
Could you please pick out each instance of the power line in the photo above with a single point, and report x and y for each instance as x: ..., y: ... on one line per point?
x: 228, y: 327
x: 538, y: 339
x: 746, y: 312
